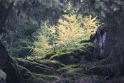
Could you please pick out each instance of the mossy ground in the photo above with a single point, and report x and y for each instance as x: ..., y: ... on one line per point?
x: 73, y: 65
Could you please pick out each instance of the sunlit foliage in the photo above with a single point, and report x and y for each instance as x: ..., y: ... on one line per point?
x: 91, y: 24
x: 42, y: 38
x: 66, y: 32
x: 70, y: 27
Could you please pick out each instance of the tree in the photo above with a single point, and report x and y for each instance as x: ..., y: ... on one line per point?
x: 18, y: 37
x: 4, y: 12
x: 91, y: 24
x: 42, y: 41
x: 28, y: 12
x: 111, y: 13
x: 70, y: 27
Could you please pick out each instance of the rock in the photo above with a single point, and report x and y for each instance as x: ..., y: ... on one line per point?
x: 2, y: 76
x: 99, y: 39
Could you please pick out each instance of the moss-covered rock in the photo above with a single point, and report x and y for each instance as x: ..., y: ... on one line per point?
x: 72, y: 72
x: 15, y: 73
x: 70, y: 67
x: 63, y: 66
x: 51, y: 63
x: 83, y: 53
x: 2, y: 75
x: 66, y: 58
x: 40, y: 78
x: 49, y: 54
x: 35, y: 67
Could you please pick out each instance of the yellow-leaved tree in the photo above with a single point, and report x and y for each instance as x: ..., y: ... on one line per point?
x: 41, y: 43
x: 91, y: 24
x: 69, y: 28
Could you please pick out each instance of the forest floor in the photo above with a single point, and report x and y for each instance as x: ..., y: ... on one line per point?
x: 74, y: 65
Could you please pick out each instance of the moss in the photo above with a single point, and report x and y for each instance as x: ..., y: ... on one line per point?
x: 58, y: 66
x: 69, y: 67
x: 47, y: 77
x: 15, y: 73
x: 23, y: 72
x: 73, y: 55
x: 35, y: 67
x: 40, y: 70
x: 41, y: 78
x: 65, y: 58
x: 51, y: 63
x: 84, y: 41
x: 11, y: 71
x: 13, y: 60
x: 89, y: 44
x: 49, y: 54
x: 72, y: 72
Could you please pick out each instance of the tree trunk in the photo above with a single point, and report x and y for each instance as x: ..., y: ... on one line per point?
x: 115, y: 33
x: 4, y: 56
x: 4, y: 12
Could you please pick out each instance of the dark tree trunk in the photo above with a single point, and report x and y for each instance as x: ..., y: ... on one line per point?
x: 4, y: 12
x: 114, y: 44
x: 4, y: 56
x: 115, y: 32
